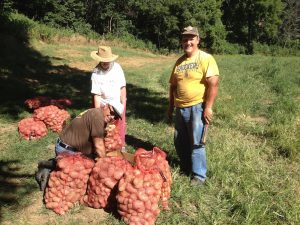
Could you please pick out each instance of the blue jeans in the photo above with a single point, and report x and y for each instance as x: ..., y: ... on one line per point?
x: 189, y: 126
x: 59, y: 149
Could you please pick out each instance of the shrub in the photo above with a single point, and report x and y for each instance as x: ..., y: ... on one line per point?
x: 291, y: 48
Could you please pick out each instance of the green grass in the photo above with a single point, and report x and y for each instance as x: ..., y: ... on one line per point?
x: 252, y: 150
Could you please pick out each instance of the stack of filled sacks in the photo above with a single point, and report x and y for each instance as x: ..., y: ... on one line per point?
x: 68, y: 182
x: 103, y: 182
x: 137, y: 191
x: 41, y: 101
x: 48, y: 113
x: 52, y: 116
x: 31, y: 129
x: 141, y: 189
x: 112, y: 140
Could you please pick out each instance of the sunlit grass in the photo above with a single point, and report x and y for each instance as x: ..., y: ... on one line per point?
x: 253, y: 145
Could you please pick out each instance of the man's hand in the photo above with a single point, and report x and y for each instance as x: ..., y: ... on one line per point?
x: 208, y: 115
x: 99, y: 146
x: 211, y: 93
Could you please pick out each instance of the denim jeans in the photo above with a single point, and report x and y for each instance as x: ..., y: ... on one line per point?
x: 189, y: 126
x: 59, y: 149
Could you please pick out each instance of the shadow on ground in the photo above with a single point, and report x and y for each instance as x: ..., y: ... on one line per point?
x: 26, y: 73
x: 146, y: 104
x: 11, y: 187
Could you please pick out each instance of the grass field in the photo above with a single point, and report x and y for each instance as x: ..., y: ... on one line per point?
x: 253, y: 145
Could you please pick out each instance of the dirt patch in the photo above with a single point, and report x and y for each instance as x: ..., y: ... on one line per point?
x: 69, y: 52
x: 87, y: 67
x: 258, y: 119
x: 37, y: 214
x: 140, y: 61
x: 125, y: 62
x: 6, y: 129
x: 78, y: 39
x: 251, y: 119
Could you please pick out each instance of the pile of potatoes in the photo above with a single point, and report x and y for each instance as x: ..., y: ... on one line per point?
x: 48, y: 114
x: 140, y: 190
x: 137, y: 191
x: 52, y: 116
x: 68, y: 182
x: 41, y: 101
x: 103, y: 182
x: 112, y: 140
x: 30, y: 129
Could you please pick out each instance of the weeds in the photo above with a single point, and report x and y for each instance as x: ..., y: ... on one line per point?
x: 253, y: 145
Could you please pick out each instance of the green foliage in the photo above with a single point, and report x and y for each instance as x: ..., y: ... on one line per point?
x: 223, y: 24
x: 248, y: 21
x: 6, y: 7
x: 229, y: 48
x: 253, y: 143
x: 290, y: 28
x: 290, y: 49
x: 23, y: 28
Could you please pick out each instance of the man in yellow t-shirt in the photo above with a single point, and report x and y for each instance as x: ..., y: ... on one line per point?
x: 193, y: 89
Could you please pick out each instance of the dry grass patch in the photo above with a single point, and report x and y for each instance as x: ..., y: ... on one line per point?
x: 132, y: 62
x: 37, y: 214
x: 5, y: 130
x: 87, y: 67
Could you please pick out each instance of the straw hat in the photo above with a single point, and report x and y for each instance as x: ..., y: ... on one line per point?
x: 103, y: 54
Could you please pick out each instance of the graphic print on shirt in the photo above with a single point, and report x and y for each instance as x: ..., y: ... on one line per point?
x: 186, y: 68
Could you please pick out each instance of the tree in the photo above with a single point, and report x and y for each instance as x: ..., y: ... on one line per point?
x: 108, y: 16
x: 290, y: 28
x: 252, y: 20
x: 161, y: 22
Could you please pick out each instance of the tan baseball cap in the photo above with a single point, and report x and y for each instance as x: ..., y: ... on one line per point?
x: 190, y: 30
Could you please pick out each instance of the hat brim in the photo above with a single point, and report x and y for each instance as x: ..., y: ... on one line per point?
x: 118, y: 115
x: 96, y: 57
x: 189, y: 33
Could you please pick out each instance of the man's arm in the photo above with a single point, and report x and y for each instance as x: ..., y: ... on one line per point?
x: 210, y: 95
x: 99, y: 146
x: 123, y: 95
x: 97, y: 100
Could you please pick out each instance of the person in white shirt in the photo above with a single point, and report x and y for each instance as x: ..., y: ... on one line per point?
x: 109, y: 84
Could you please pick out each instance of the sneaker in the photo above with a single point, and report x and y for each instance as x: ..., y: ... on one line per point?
x: 197, y: 182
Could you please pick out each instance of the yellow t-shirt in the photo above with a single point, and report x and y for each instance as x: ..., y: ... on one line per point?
x: 188, y: 78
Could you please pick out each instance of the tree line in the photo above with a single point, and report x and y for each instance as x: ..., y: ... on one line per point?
x: 223, y: 24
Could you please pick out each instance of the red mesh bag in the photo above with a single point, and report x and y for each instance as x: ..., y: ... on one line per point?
x: 68, y: 182
x: 30, y: 129
x: 61, y: 103
x: 112, y: 140
x: 52, y: 116
x: 140, y: 190
x: 37, y: 102
x: 41, y: 101
x: 102, y: 184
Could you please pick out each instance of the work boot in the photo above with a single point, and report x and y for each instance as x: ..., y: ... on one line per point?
x: 49, y: 164
x: 42, y: 177
x: 197, y: 182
